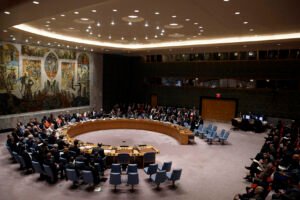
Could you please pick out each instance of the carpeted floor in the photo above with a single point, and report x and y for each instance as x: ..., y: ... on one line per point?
x: 210, y: 172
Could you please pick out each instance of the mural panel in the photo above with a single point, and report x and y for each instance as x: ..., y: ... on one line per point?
x: 67, y: 76
x: 9, y: 67
x: 21, y: 86
x: 31, y: 78
x: 51, y: 65
x: 28, y: 50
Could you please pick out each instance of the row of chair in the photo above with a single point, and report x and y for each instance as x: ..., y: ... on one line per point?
x: 210, y: 133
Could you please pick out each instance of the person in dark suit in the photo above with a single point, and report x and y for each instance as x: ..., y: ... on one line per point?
x: 91, y: 167
x: 50, y: 162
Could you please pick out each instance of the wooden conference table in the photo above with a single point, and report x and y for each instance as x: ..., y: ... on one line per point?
x: 181, y: 134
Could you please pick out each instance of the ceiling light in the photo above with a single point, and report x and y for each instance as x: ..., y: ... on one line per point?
x: 129, y: 23
x: 157, y: 13
x: 155, y: 36
x: 92, y: 50
x: 48, y: 29
x: 7, y: 12
x: 187, y: 19
x: 76, y: 47
x: 146, y: 38
x: 146, y: 24
x: 47, y: 25
x: 122, y: 38
x: 199, y: 33
x: 133, y: 16
x: 251, y: 29
x: 237, y: 13
x: 226, y: 0
x: 268, y: 80
x: 49, y: 43
x: 136, y: 11
x: 38, y: 42
x: 98, y: 35
x: 87, y: 30
x: 53, y: 18
x: 200, y: 27
x: 201, y: 30
x: 174, y: 16
x: 26, y: 40
x: 76, y: 12
x: 115, y: 10
x: 11, y: 36
x: 173, y: 24
x: 94, y: 11
x: 89, y: 27
x: 84, y: 19
x: 58, y: 45
x: 162, y: 30
x: 91, y: 33
x: 112, y: 23
x: 98, y: 24
x: 48, y: 22
x: 195, y: 23
x: 5, y: 31
x: 134, y: 38
x: 251, y: 80
x: 68, y: 46
x: 62, y: 15
x: 245, y: 22
x: 13, y: 39
x: 109, y: 37
x: 71, y: 28
x: 161, y: 33
x: 36, y: 2
x: 157, y: 28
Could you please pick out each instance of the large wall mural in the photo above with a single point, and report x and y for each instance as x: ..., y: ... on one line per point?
x: 39, y: 78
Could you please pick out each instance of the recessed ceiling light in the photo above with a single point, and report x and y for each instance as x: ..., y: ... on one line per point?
x: 200, y: 27
x: 11, y: 36
x: 38, y: 42
x: 157, y: 28
x: 146, y: 24
x: 162, y: 30
x: 173, y: 16
x: 71, y: 28
x: 251, y: 80
x: 94, y: 11
x: 109, y: 37
x: 84, y: 19
x: 98, y: 35
x: 268, y: 80
x: 245, y: 22
x: 62, y: 15
x: 92, y: 50
x: 237, y: 13
x: 58, y: 45
x: 48, y: 22
x: 87, y: 30
x: 129, y: 23
x: 161, y: 33
x: 195, y: 23
x: 187, y: 19
x: 91, y: 33
x: 76, y: 47
x: 7, y: 12
x: 112, y: 23
x: 26, y: 40
x: 13, y: 39
x: 47, y: 25
x: 115, y: 10
x: 146, y: 38
x: 36, y: 2
x: 134, y: 38
x: 251, y: 29
x: 156, y: 13
x: 53, y: 18
x: 201, y: 30
x: 76, y: 12
x: 122, y: 38
x: 155, y: 36
x: 133, y: 16
x: 98, y: 24
x: 226, y: 0
x: 173, y: 24
x: 136, y: 11
x: 89, y: 27
x: 68, y: 46
x: 5, y: 31
x: 49, y: 43
x: 199, y: 33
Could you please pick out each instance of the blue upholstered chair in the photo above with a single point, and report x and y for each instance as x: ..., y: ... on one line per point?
x: 87, y: 176
x: 72, y: 175
x: 198, y: 130
x: 166, y: 166
x: 210, y: 137
x: 224, y: 138
x: 151, y: 169
x: 123, y: 158
x: 115, y: 179
x: 149, y: 158
x: 38, y: 168
x: 132, y: 168
x: 49, y: 173
x: 174, y: 175
x: 115, y: 168
x: 159, y: 177
x: 221, y: 134
x: 133, y: 179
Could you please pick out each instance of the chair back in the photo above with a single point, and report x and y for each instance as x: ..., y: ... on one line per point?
x: 48, y: 171
x: 185, y: 124
x: 123, y: 158
x: 115, y: 179
x: 149, y: 157
x: 115, y: 168
x: 176, y: 174
x: 132, y: 168
x: 72, y: 175
x: 200, y: 128
x: 79, y: 164
x: 214, y: 128
x: 133, y: 179
x: 87, y: 176
x: 160, y: 177
x: 37, y: 167
x: 209, y: 127
x: 167, y: 166
x: 226, y: 135
x: 222, y: 133
x: 152, y: 168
